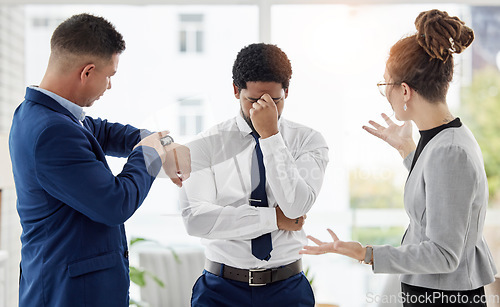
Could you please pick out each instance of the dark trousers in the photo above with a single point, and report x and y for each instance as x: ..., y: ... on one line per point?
x: 425, y: 297
x: 214, y: 291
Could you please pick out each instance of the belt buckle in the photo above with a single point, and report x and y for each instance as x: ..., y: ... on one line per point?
x: 251, y: 277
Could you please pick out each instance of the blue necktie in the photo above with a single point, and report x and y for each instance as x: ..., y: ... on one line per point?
x: 261, y: 246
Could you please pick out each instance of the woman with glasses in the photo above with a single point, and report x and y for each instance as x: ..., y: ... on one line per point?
x: 443, y: 255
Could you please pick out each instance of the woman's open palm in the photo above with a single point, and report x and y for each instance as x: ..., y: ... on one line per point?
x: 399, y: 137
x: 351, y: 249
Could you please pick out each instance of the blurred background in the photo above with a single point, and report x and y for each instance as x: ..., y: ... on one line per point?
x: 176, y: 75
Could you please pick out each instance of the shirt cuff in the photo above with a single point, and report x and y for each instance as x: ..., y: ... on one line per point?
x: 381, y: 259
x: 272, y: 143
x: 409, y: 160
x: 268, y: 219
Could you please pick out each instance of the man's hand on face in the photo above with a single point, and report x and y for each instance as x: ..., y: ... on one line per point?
x: 264, y: 116
x: 285, y: 223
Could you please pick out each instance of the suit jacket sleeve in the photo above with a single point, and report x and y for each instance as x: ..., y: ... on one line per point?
x: 115, y: 139
x: 67, y: 168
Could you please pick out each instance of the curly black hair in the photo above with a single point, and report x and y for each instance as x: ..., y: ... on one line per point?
x: 261, y: 62
x: 86, y: 34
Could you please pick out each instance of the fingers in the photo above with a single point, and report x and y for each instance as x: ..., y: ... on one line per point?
x: 376, y: 125
x: 312, y: 250
x: 378, y: 131
x: 387, y: 119
x: 176, y: 161
x: 182, y: 158
x: 319, y: 242
x: 266, y: 98
x: 177, y: 165
x: 184, y: 176
x: 373, y: 132
x: 177, y: 181
x: 334, y: 236
x: 257, y: 105
x: 163, y: 133
x: 263, y: 102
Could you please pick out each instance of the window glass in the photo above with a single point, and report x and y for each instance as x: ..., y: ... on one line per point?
x: 338, y: 54
x: 191, y: 28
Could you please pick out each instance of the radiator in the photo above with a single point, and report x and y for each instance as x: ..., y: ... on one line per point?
x: 178, y: 274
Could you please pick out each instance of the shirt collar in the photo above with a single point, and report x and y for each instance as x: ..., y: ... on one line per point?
x: 73, y: 108
x: 244, y: 128
x: 242, y: 125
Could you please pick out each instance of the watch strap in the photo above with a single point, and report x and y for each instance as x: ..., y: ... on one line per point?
x: 369, y: 255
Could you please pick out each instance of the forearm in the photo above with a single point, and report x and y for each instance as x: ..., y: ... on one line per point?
x: 228, y: 223
x: 116, y: 139
x: 209, y: 211
x: 406, y: 148
x: 424, y: 258
x: 295, y: 183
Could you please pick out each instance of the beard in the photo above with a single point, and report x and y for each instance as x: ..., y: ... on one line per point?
x: 249, y: 122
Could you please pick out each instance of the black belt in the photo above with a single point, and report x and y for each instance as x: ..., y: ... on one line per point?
x: 254, y: 277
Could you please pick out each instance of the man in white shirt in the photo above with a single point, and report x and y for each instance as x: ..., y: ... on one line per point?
x: 254, y: 179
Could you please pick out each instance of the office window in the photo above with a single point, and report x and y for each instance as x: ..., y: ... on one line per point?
x: 191, y: 33
x: 190, y: 116
x: 45, y: 22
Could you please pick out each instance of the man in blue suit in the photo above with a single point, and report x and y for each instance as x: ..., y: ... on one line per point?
x: 72, y: 208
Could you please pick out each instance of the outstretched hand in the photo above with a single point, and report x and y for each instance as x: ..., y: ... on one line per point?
x: 399, y: 137
x: 351, y: 249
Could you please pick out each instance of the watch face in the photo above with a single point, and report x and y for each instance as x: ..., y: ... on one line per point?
x: 166, y: 140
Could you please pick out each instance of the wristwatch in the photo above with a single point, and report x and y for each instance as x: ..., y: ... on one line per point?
x: 166, y: 140
x: 368, y: 256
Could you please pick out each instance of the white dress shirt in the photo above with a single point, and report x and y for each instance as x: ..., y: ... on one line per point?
x: 72, y: 107
x: 215, y: 199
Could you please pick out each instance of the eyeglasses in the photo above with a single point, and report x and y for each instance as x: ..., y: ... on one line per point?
x: 382, y: 86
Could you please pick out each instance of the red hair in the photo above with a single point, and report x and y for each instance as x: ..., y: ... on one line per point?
x: 424, y: 60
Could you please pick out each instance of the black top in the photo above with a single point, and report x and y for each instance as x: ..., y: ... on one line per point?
x: 427, y: 135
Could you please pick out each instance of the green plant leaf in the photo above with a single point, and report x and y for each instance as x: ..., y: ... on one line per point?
x: 137, y: 276
x: 135, y: 240
x: 308, y: 275
x: 176, y: 256
x: 133, y: 302
x: 156, y: 279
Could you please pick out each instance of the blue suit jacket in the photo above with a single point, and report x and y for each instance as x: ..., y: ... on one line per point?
x: 72, y: 208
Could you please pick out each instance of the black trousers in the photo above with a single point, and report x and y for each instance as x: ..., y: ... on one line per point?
x: 425, y: 297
